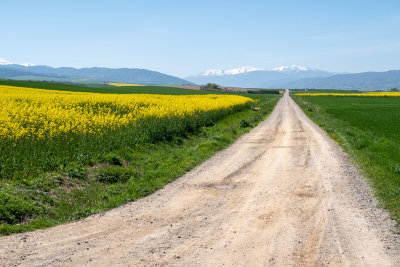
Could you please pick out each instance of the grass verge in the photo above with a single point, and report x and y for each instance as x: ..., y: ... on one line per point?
x: 368, y: 130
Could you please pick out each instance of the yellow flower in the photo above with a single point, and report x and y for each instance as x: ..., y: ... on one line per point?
x: 39, y: 113
x: 368, y: 94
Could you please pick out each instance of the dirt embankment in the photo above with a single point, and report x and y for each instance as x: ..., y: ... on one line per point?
x: 283, y: 194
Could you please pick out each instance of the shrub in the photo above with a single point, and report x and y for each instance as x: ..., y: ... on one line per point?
x: 245, y: 123
x: 113, y: 159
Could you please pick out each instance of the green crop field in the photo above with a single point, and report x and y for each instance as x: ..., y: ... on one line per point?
x: 45, y: 182
x: 99, y: 88
x: 368, y: 128
x: 323, y: 91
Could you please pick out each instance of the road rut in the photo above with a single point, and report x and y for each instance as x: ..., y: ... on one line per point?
x: 282, y: 195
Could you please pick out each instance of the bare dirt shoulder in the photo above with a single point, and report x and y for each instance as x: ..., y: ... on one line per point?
x: 283, y: 194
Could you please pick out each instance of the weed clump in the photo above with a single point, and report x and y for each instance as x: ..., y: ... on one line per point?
x: 114, y: 175
x: 14, y: 209
x: 113, y: 159
x: 76, y: 171
x: 245, y: 123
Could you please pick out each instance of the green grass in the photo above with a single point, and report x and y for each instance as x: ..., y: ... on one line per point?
x: 368, y: 129
x: 53, y: 182
x: 31, y: 156
x: 96, y: 88
x: 324, y: 91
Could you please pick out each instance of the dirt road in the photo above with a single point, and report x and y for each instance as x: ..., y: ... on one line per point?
x: 283, y: 194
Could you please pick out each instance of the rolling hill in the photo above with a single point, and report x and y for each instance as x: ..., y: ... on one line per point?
x: 367, y: 81
x: 95, y: 74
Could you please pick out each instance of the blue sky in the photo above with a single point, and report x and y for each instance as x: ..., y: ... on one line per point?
x: 182, y: 38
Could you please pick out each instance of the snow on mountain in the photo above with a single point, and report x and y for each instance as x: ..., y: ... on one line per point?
x: 249, y: 77
x: 4, y: 62
x: 27, y: 64
x: 213, y: 72
x: 290, y: 68
x: 240, y: 70
x: 219, y: 72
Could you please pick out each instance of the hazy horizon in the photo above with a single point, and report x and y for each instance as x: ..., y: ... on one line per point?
x: 184, y: 38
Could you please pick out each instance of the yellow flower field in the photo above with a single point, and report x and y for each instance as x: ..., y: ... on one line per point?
x: 126, y: 84
x: 366, y: 94
x: 39, y: 113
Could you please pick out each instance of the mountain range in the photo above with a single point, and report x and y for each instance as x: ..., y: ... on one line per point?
x: 293, y: 76
x: 28, y: 71
x: 257, y: 78
x: 297, y: 77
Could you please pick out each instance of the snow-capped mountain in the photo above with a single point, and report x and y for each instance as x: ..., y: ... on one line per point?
x: 245, y: 69
x: 257, y: 78
x: 27, y: 64
x: 3, y: 61
x: 219, y: 72
x: 290, y: 68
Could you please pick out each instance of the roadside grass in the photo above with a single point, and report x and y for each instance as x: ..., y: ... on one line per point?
x: 30, y: 156
x: 294, y: 91
x: 368, y: 129
x: 87, y: 185
x: 95, y: 88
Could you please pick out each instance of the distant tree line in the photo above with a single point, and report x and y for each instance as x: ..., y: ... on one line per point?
x: 263, y: 91
x: 211, y: 87
x: 216, y: 88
